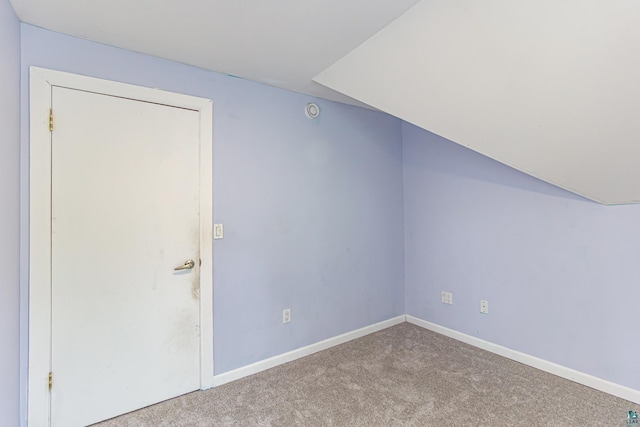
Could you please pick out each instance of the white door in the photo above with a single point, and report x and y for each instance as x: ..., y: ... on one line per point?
x: 125, y: 202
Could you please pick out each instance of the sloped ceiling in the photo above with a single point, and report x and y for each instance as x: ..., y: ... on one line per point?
x: 548, y: 87
x: 282, y: 43
x: 551, y: 88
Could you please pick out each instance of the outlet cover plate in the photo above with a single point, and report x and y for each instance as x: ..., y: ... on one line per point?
x: 484, y: 306
x: 447, y: 297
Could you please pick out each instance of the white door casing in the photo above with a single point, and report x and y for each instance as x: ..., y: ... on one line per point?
x: 43, y: 84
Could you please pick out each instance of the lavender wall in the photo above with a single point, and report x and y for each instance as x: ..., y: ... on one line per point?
x: 561, y: 273
x: 312, y: 209
x: 314, y: 215
x: 9, y: 212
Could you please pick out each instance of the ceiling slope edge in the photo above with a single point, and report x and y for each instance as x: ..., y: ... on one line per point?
x: 280, y: 43
x: 548, y: 88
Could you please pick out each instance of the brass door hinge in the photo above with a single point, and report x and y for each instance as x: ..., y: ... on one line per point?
x: 50, y: 119
x: 50, y: 380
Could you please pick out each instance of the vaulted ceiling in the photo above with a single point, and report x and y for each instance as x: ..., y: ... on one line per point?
x: 282, y: 43
x: 550, y: 88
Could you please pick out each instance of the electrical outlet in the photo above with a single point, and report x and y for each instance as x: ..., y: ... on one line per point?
x: 447, y: 297
x: 484, y: 306
x: 286, y: 315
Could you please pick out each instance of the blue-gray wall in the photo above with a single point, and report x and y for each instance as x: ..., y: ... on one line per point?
x: 9, y: 212
x: 316, y: 220
x: 312, y: 209
x: 561, y: 274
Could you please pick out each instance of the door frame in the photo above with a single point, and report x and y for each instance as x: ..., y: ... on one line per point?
x: 41, y: 83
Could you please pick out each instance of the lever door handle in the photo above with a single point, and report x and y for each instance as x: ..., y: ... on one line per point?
x: 188, y: 265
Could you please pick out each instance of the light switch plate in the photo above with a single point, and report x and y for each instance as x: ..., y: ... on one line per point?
x: 218, y: 231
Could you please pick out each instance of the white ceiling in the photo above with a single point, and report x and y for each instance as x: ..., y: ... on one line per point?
x: 282, y: 43
x: 550, y: 88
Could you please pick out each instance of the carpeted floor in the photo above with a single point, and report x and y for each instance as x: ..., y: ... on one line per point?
x: 401, y: 376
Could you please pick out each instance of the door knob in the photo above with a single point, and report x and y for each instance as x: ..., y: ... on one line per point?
x: 188, y: 265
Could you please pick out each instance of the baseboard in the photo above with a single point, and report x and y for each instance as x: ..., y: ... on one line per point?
x: 274, y: 361
x: 535, y: 362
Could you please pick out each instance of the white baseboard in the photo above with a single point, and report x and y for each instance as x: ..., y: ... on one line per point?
x: 535, y: 362
x: 274, y: 361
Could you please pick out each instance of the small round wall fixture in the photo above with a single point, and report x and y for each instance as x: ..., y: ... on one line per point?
x: 312, y: 110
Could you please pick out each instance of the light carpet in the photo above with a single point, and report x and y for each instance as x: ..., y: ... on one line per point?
x: 401, y: 376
